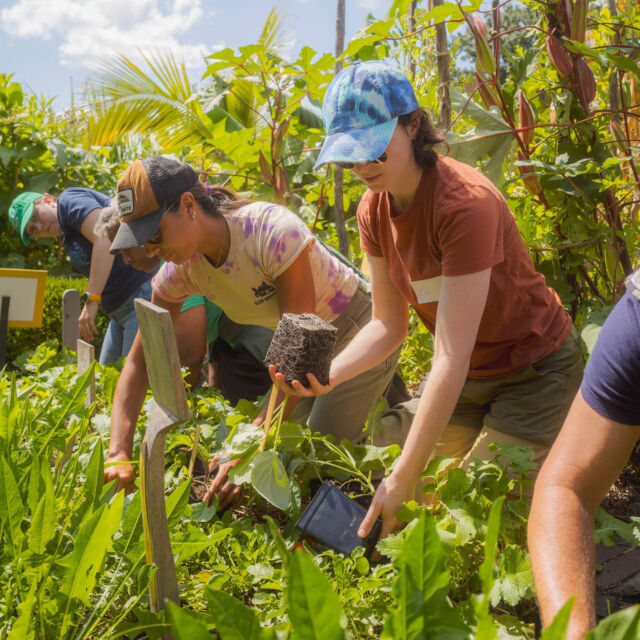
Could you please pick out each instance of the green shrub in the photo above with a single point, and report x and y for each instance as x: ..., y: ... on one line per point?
x: 21, y: 340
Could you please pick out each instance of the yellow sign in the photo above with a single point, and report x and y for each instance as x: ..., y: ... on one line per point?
x: 25, y: 288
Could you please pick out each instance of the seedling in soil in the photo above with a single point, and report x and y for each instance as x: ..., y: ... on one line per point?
x: 302, y: 344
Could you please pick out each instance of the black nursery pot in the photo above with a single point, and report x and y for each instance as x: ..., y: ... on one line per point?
x: 302, y: 343
x: 332, y: 519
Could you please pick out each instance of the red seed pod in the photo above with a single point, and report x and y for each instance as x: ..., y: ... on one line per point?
x: 559, y: 57
x: 487, y: 93
x: 478, y: 25
x: 579, y: 21
x: 265, y: 169
x: 486, y: 61
x: 619, y: 138
x: 529, y: 178
x: 525, y: 119
x: 586, y: 83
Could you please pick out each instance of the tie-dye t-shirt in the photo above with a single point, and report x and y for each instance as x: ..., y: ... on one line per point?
x: 265, y: 240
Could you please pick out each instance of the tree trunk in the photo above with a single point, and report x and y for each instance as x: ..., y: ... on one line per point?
x: 412, y: 26
x: 495, y: 20
x: 338, y: 172
x: 442, y: 56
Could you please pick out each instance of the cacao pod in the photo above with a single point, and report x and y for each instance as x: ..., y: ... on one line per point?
x: 586, y: 83
x: 526, y: 119
x: 478, y: 25
x: 487, y: 93
x: 486, y: 61
x: 619, y: 138
x: 559, y: 57
x: 579, y: 21
x: 265, y: 169
x: 528, y: 176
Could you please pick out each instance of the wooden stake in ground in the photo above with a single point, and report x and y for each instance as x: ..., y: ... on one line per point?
x: 70, y: 315
x: 168, y: 410
x: 86, y: 356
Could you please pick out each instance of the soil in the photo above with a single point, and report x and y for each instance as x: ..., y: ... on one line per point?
x: 623, y: 499
x: 302, y: 344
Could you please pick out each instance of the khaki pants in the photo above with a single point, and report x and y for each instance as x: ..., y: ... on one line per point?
x: 526, y: 408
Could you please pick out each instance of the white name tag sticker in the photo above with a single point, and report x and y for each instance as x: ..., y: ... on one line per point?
x: 427, y: 290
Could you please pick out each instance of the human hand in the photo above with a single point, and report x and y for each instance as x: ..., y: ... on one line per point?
x: 121, y: 469
x: 86, y: 321
x: 296, y: 388
x: 387, y: 501
x: 227, y: 492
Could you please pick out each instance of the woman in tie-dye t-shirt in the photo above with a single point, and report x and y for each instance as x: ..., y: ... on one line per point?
x: 256, y: 261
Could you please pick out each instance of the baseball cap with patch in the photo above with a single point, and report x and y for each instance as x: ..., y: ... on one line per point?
x: 360, y: 111
x: 20, y: 213
x: 147, y: 189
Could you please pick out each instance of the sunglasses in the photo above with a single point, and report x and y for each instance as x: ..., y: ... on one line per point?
x: 349, y: 165
x: 156, y: 238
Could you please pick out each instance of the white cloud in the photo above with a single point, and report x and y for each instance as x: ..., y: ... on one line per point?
x: 88, y: 31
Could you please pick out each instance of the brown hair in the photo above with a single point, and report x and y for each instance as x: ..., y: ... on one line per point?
x: 426, y: 138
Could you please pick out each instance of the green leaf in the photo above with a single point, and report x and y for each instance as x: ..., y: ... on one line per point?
x: 185, y: 625
x: 488, y: 143
x: 94, y: 480
x: 89, y: 548
x: 421, y: 589
x: 592, y: 325
x: 558, y: 628
x: 281, y: 545
x: 314, y: 607
x: 622, y: 625
x: 11, y: 507
x: 269, y: 478
x: 234, y: 620
x: 177, y: 502
x: 35, y: 482
x: 515, y: 579
x: 21, y: 629
x: 486, y: 570
x: 43, y: 523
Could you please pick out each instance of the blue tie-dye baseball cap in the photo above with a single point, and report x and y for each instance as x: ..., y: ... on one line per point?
x: 361, y: 109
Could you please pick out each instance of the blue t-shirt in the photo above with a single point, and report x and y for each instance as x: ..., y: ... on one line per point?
x: 611, y: 383
x: 74, y: 205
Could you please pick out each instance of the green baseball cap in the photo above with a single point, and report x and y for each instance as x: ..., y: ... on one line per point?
x: 20, y: 212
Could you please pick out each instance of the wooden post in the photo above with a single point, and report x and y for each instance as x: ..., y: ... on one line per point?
x: 70, y: 315
x: 4, y: 325
x: 86, y: 355
x: 169, y: 408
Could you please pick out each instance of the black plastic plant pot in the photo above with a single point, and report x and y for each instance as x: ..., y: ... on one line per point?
x: 332, y: 520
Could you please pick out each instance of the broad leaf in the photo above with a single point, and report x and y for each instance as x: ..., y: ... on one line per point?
x: 234, y: 620
x: 314, y: 607
x: 622, y: 625
x: 43, y: 523
x: 11, y: 507
x: 269, y: 478
x: 185, y: 625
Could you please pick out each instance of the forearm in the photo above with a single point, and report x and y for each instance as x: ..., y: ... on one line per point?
x: 563, y: 556
x: 439, y: 398
x: 127, y: 403
x: 370, y: 346
x: 101, y: 263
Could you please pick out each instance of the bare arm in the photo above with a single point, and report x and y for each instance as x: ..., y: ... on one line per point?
x: 460, y: 309
x: 583, y: 463
x: 101, y: 263
x: 127, y: 403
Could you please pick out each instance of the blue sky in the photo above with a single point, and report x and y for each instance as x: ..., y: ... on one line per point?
x: 50, y: 45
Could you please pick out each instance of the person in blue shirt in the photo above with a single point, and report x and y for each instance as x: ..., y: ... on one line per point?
x: 112, y: 283
x: 590, y: 451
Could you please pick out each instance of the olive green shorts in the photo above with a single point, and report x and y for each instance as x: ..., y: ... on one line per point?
x: 531, y: 403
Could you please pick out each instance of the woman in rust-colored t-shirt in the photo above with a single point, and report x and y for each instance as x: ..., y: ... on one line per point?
x: 440, y: 236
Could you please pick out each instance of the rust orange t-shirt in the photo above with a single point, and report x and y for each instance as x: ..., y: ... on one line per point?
x: 459, y: 223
